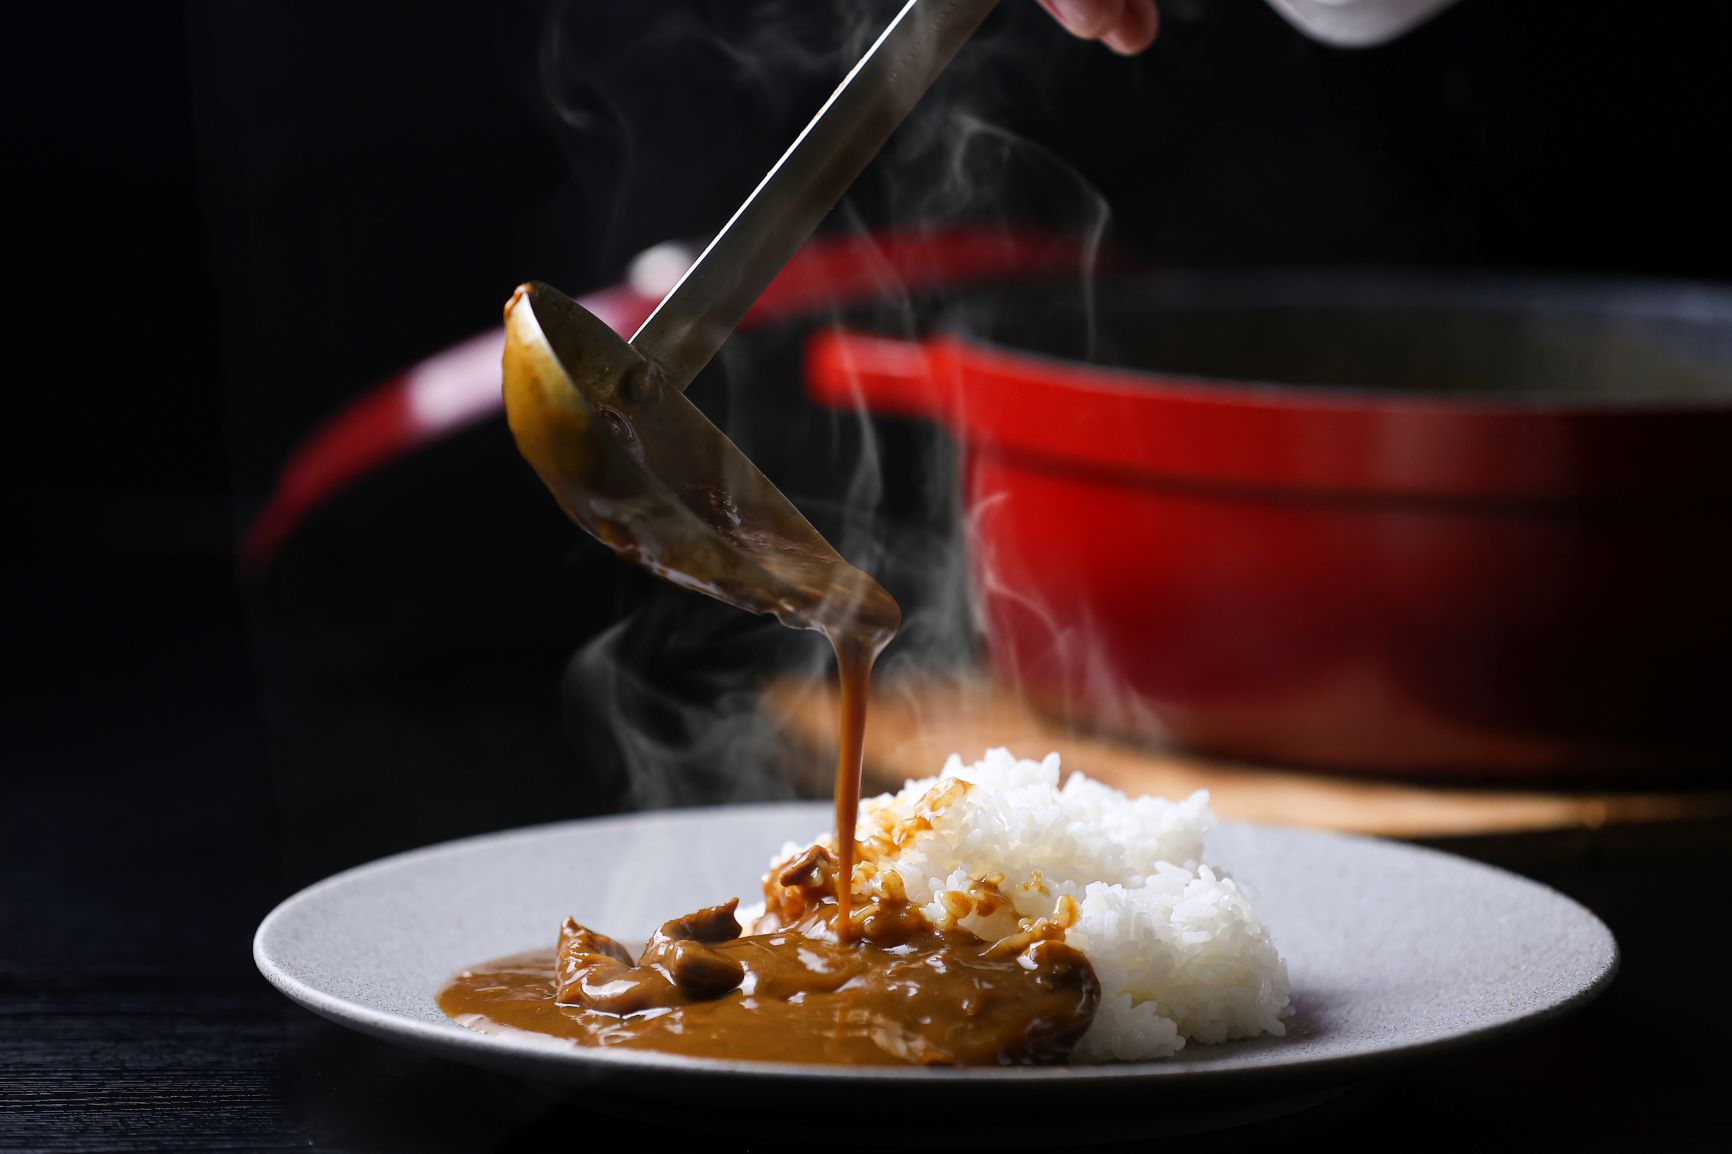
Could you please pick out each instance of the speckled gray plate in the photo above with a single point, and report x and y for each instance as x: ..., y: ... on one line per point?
x: 1394, y: 951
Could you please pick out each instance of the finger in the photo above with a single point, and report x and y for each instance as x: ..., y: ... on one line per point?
x: 1089, y: 19
x: 1135, y: 30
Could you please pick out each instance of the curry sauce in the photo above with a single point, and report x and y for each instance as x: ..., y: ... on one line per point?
x: 893, y: 989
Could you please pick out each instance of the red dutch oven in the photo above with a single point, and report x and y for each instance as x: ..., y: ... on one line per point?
x: 1357, y: 522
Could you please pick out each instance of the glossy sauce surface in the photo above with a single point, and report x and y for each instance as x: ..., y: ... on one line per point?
x: 897, y: 992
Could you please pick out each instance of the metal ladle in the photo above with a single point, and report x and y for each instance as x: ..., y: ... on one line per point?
x: 606, y: 424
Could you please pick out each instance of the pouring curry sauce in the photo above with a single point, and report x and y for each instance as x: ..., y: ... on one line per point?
x: 638, y: 466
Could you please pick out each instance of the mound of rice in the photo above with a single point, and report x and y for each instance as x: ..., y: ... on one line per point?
x: 1177, y: 947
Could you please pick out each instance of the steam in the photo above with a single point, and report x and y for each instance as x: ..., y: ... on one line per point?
x: 675, y: 686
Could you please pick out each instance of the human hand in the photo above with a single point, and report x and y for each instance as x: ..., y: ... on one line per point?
x: 1125, y: 26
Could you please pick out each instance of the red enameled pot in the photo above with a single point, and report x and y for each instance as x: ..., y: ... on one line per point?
x: 1361, y: 522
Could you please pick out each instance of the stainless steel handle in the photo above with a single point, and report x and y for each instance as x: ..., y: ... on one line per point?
x: 694, y: 320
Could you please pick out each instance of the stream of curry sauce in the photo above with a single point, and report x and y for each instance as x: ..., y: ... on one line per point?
x: 818, y: 983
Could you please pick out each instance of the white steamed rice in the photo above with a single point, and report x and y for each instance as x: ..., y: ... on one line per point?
x: 1179, y: 951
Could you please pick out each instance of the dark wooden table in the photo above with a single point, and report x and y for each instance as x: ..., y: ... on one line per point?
x: 140, y: 845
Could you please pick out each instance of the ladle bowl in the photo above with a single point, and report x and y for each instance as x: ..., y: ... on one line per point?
x: 639, y: 467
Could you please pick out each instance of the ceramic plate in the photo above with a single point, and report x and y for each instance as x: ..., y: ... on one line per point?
x: 1394, y: 951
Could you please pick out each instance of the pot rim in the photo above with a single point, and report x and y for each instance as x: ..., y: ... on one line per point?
x: 1368, y: 288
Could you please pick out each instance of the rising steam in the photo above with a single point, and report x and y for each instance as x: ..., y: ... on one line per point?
x: 674, y: 687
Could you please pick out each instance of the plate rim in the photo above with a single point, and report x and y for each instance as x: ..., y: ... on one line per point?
x: 515, y: 1051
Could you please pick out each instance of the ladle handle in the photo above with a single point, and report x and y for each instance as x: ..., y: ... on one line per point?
x: 694, y: 320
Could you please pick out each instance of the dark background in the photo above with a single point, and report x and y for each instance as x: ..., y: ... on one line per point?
x: 229, y: 218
